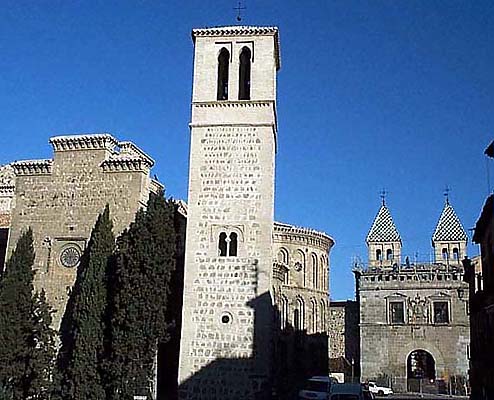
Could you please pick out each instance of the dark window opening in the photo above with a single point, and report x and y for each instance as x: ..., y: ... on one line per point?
x: 233, y: 245
x: 222, y: 244
x: 445, y: 254
x: 456, y: 254
x: 397, y: 312
x: 379, y: 256
x: 223, y: 67
x: 244, y: 75
x: 296, y: 319
x: 441, y: 312
x: 389, y: 254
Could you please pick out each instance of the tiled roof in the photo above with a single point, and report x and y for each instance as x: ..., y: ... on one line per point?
x: 383, y: 228
x: 449, y: 227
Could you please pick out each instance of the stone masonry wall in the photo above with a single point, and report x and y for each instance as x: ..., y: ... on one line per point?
x: 385, y: 346
x: 61, y: 199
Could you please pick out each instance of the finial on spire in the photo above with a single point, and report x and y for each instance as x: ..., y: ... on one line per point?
x: 446, y: 194
x: 383, y: 194
x: 239, y: 9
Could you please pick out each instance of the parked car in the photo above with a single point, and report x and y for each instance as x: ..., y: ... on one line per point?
x: 346, y: 391
x: 379, y: 390
x: 316, y: 388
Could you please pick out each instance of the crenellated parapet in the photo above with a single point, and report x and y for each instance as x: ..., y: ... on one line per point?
x: 94, y: 141
x: 119, y: 163
x: 33, y: 167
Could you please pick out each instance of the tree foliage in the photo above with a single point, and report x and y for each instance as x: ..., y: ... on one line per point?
x: 145, y: 260
x: 27, y: 341
x: 83, y: 327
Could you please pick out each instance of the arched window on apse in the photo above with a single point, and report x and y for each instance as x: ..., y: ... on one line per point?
x: 284, y: 312
x: 314, y: 316
x: 244, y: 74
x: 301, y: 259
x: 389, y: 255
x: 323, y: 316
x: 456, y: 254
x: 315, y: 275
x: 322, y: 273
x: 444, y: 253
x: 283, y: 256
x: 223, y: 70
x: 379, y: 255
x: 299, y: 315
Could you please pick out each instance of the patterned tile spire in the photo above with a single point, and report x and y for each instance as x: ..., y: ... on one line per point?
x: 383, y: 228
x: 449, y: 227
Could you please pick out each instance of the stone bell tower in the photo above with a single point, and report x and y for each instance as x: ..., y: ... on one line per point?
x: 227, y: 314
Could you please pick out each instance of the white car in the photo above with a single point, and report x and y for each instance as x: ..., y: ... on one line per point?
x: 379, y: 390
x: 315, y: 388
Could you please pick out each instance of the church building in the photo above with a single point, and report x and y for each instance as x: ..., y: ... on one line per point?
x: 255, y: 291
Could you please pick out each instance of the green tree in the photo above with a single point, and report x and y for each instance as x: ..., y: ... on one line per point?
x: 83, y: 326
x: 145, y: 261
x: 27, y: 350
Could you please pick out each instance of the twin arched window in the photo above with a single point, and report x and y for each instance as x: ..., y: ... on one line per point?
x: 244, y: 74
x: 228, y: 245
x: 223, y: 70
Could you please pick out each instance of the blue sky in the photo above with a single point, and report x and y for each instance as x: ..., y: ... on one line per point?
x: 371, y: 95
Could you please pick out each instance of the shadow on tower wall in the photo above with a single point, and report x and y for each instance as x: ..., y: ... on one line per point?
x: 292, y: 356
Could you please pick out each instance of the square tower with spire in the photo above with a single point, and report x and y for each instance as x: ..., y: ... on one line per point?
x: 227, y: 314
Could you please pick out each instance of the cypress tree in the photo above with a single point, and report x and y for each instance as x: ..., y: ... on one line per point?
x: 145, y: 261
x: 27, y: 350
x: 83, y: 326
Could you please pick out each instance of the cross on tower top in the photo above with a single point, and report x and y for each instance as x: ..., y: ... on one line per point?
x: 383, y: 194
x: 239, y: 9
x: 447, y: 190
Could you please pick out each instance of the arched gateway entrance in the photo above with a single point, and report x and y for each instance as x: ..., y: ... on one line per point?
x: 421, y: 371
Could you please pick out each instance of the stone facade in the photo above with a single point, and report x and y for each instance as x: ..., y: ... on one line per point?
x: 344, y: 343
x: 414, y: 328
x: 60, y: 199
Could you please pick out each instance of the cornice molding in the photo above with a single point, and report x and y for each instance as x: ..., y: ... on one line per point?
x: 96, y: 141
x: 33, y: 167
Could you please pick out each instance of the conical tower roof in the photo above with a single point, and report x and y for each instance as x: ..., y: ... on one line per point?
x: 383, y: 228
x: 449, y: 227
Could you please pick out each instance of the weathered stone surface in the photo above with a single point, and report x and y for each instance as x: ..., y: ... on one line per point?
x: 60, y: 200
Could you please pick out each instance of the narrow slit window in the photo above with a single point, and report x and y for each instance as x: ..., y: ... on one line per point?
x: 233, y: 245
x: 222, y: 245
x: 223, y: 69
x: 244, y: 74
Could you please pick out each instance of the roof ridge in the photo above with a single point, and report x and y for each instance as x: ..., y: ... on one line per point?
x: 383, y: 228
x: 449, y: 226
